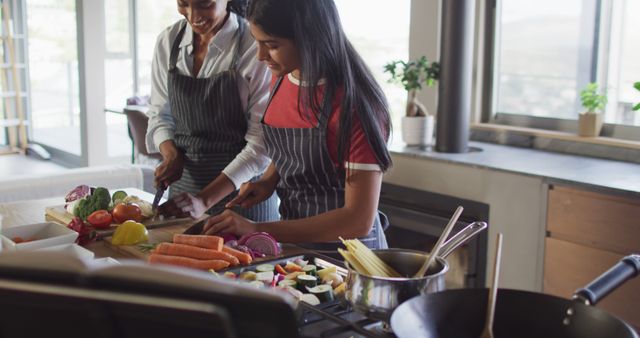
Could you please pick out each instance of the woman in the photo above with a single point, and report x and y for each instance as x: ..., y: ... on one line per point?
x: 325, y: 127
x: 207, y: 99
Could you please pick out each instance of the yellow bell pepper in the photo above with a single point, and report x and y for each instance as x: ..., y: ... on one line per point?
x: 129, y: 233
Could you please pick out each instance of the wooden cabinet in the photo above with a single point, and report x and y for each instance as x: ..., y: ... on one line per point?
x: 587, y: 233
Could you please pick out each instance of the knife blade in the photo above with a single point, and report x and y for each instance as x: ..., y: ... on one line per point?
x: 156, y: 199
x: 196, y: 228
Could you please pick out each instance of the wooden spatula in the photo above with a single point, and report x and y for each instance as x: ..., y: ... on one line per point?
x: 493, y: 292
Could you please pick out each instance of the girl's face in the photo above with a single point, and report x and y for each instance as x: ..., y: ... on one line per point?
x: 280, y: 55
x: 204, y: 16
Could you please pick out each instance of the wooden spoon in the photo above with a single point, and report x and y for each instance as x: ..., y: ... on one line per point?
x: 439, y: 243
x: 493, y: 292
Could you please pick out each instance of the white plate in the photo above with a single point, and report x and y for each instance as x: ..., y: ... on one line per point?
x: 41, y: 235
x: 71, y: 249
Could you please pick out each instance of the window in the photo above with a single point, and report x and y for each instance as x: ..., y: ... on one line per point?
x: 388, y: 44
x: 547, y: 51
x: 130, y: 43
x: 53, y: 74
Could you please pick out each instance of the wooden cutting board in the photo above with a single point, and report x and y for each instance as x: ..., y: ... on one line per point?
x: 60, y: 215
x: 158, y: 235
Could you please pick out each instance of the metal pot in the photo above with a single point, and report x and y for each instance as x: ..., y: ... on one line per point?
x: 377, y: 297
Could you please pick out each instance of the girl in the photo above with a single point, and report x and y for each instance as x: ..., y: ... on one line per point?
x: 325, y: 127
x: 207, y: 99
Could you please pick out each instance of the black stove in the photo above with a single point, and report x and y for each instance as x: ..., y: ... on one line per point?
x: 337, y: 319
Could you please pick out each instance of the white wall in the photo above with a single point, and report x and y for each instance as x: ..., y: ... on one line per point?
x: 516, y: 208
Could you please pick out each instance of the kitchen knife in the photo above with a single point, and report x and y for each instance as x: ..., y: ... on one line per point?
x: 156, y: 199
x: 196, y: 228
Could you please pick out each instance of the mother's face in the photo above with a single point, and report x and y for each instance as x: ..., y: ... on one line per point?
x: 203, y: 15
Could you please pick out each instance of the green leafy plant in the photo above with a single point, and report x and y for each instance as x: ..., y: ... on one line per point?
x: 637, y: 87
x: 413, y: 76
x: 591, y: 100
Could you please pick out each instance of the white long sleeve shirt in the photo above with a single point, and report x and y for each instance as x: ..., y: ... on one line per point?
x: 253, y: 84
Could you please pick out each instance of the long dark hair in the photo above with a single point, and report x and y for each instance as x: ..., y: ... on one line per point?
x: 326, y: 53
x: 238, y: 6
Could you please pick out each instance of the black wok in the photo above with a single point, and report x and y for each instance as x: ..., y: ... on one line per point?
x: 461, y: 313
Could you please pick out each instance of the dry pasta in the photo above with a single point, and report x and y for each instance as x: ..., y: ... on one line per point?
x: 365, y: 261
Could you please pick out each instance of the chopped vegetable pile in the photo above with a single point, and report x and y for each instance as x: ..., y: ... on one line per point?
x: 302, y: 280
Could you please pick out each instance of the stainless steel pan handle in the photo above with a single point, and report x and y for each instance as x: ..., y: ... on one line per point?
x: 461, y: 237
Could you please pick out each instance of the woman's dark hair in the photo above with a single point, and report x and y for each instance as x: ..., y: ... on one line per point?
x: 238, y: 6
x: 326, y: 53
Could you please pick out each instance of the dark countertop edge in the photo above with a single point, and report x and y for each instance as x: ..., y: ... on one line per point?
x: 415, y: 152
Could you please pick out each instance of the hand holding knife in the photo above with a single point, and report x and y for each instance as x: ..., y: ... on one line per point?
x: 156, y: 200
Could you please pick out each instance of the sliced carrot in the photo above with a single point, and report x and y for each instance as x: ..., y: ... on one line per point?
x: 243, y: 257
x: 214, y: 264
x: 190, y: 251
x: 202, y: 241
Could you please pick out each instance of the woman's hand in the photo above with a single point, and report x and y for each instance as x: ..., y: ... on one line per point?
x: 229, y: 222
x: 251, y: 194
x: 170, y: 169
x: 182, y: 205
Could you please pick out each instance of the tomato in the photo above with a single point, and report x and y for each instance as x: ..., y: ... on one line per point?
x: 100, y: 219
x: 125, y: 212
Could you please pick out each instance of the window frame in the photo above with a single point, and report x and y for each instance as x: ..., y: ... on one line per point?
x: 600, y: 66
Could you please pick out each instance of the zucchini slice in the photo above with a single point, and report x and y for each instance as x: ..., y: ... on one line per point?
x: 306, y: 281
x: 310, y: 269
x: 265, y: 268
x: 324, y: 292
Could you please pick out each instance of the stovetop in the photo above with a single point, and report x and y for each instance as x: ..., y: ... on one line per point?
x: 337, y: 319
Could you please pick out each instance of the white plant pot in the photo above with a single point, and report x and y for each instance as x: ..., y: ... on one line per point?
x: 418, y: 130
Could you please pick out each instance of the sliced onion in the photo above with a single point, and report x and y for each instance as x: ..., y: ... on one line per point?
x: 229, y: 237
x: 246, y: 249
x: 246, y: 237
x: 262, y: 242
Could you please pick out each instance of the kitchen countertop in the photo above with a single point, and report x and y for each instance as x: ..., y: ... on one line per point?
x: 33, y: 211
x: 595, y: 174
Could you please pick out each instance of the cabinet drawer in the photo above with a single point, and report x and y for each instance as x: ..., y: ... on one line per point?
x: 597, y: 220
x: 568, y: 267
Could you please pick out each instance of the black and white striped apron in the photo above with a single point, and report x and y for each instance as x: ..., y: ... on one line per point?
x: 210, y: 127
x: 309, y: 182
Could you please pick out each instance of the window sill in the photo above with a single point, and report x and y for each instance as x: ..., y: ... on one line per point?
x: 555, y: 135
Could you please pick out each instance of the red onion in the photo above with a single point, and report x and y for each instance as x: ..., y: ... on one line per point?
x: 229, y: 237
x: 261, y: 242
x: 244, y: 248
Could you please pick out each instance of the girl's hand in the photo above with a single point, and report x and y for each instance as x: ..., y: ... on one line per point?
x: 184, y: 204
x: 229, y: 222
x: 251, y: 194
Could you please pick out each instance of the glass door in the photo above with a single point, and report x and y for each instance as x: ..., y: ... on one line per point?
x: 53, y: 75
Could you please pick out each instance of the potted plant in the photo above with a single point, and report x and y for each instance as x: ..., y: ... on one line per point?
x: 418, y: 124
x: 637, y: 87
x: 590, y: 121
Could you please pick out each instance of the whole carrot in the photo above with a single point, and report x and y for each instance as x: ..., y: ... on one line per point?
x: 189, y: 251
x: 202, y: 241
x: 214, y: 264
x: 243, y: 257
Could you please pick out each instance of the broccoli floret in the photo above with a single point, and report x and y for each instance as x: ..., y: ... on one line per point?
x: 98, y: 200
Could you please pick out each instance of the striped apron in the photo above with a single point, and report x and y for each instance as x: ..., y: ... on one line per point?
x: 309, y: 182
x: 210, y: 128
